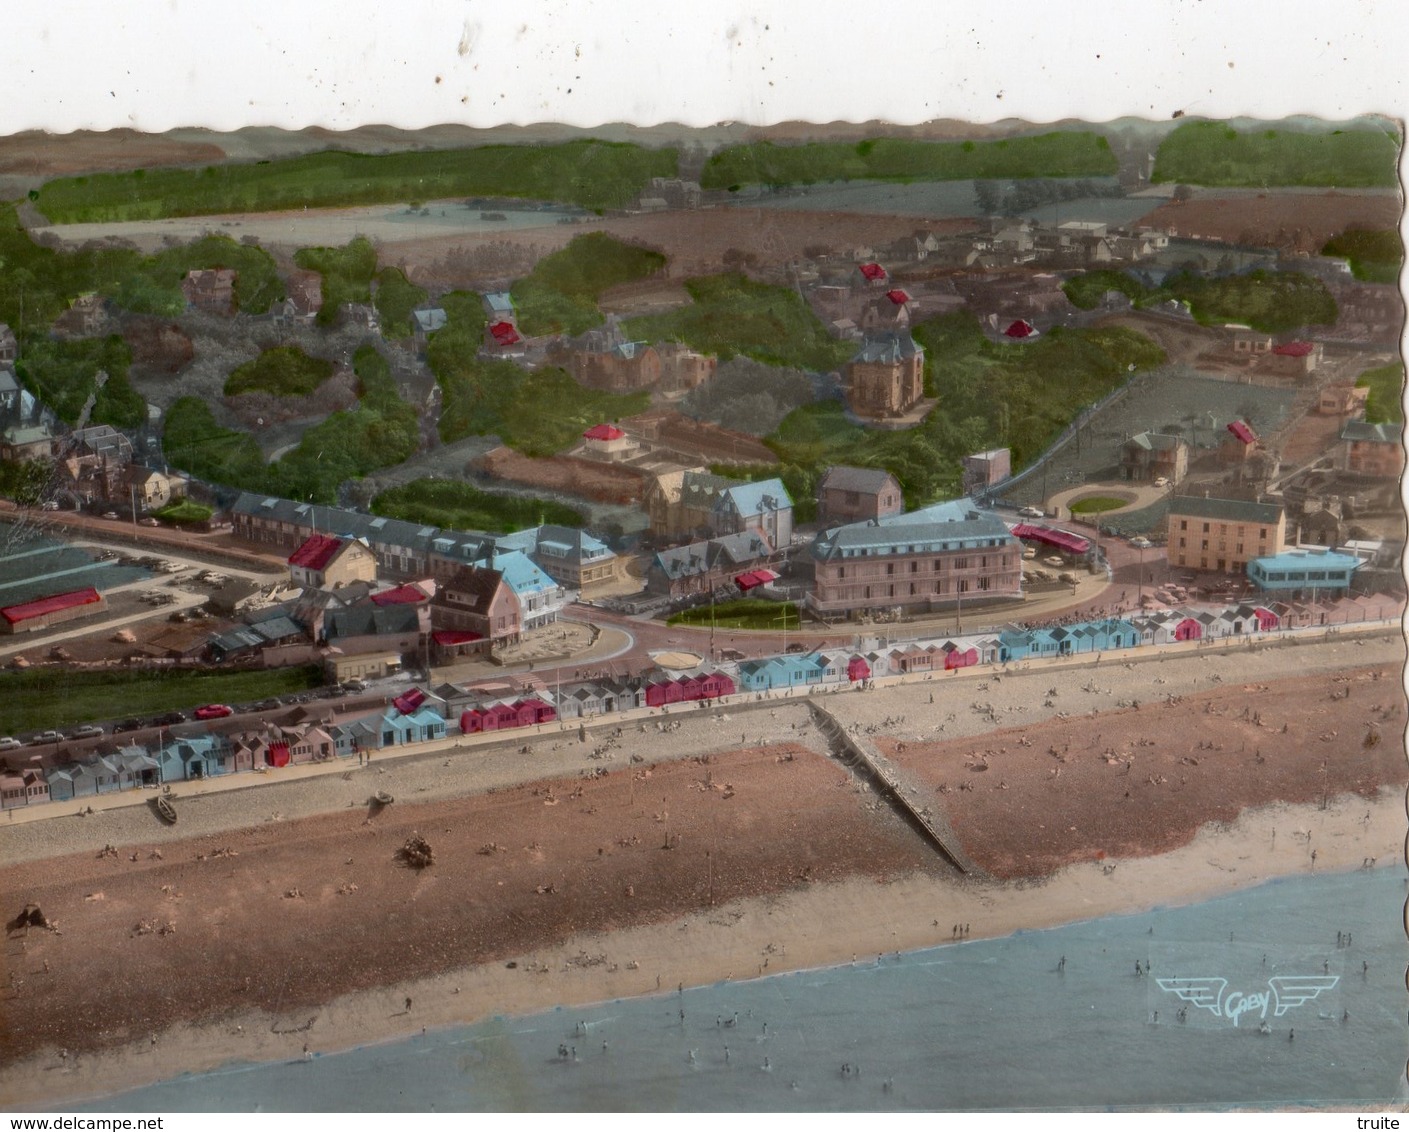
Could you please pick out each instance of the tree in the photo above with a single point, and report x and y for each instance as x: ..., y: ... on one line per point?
x: 1183, y: 194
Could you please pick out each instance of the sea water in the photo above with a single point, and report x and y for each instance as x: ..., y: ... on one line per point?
x: 1053, y: 1019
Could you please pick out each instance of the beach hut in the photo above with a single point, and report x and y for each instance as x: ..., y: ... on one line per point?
x: 1188, y: 629
x: 857, y: 669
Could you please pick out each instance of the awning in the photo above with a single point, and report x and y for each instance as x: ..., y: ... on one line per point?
x: 455, y: 636
x: 409, y: 701
x: 1073, y: 544
x: 753, y: 579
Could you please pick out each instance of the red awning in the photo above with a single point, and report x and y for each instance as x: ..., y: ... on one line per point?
x: 1073, y: 544
x: 754, y: 579
x: 409, y: 700
x: 455, y: 636
x: 603, y: 432
x: 1242, y: 432
x: 504, y: 333
x: 1021, y: 329
x: 1293, y: 349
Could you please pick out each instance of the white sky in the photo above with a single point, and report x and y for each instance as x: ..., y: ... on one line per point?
x: 157, y: 64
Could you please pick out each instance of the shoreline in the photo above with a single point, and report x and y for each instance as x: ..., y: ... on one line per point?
x: 826, y: 925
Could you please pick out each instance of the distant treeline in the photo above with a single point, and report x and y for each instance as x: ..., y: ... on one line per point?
x: 1212, y: 153
x: 592, y: 174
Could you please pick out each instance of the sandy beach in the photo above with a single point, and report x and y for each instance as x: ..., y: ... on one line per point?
x: 254, y: 939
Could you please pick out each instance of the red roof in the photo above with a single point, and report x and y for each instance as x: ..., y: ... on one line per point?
x: 402, y: 595
x: 315, y: 552
x: 504, y: 333
x: 754, y: 578
x: 1294, y: 349
x: 14, y: 614
x: 872, y: 271
x: 898, y: 297
x: 1021, y: 329
x: 455, y: 636
x: 603, y: 432
x: 1242, y: 432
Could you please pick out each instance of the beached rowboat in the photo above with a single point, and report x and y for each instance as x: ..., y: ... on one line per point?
x: 382, y: 798
x: 167, y: 810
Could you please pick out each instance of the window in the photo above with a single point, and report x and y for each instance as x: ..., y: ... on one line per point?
x: 914, y: 567
x: 983, y: 582
x: 1205, y: 528
x: 1203, y: 545
x: 1262, y: 532
x: 1181, y: 543
x: 1203, y: 562
x: 890, y: 567
x: 1240, y: 548
x: 1183, y: 524
x: 963, y: 586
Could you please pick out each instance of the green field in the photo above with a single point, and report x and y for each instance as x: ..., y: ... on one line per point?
x: 284, y: 371
x: 1376, y: 256
x: 732, y: 315
x: 593, y: 174
x: 1211, y: 153
x: 1061, y: 154
x: 1096, y: 504
x: 1385, y: 402
x: 463, y: 507
x: 560, y: 294
x: 538, y: 412
x: 63, y: 374
x: 184, y: 511
x: 746, y: 613
x: 56, y: 698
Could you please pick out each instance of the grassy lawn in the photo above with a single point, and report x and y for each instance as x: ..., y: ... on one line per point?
x: 1386, y: 384
x: 746, y: 613
x: 463, y: 507
x: 1211, y: 153
x: 733, y: 315
x: 560, y: 294
x: 593, y: 174
x: 63, y: 375
x: 1087, y: 289
x: 539, y: 412
x: 193, y: 442
x: 1061, y: 154
x: 1095, y: 504
x: 56, y: 698
x: 184, y: 511
x: 1376, y: 256
x: 284, y: 371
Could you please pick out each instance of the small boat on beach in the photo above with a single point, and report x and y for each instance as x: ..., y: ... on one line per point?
x: 382, y: 798
x: 166, y: 809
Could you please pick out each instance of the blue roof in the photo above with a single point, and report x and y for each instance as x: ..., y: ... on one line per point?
x: 521, y: 574
x: 1307, y: 560
x: 758, y: 498
x: 955, y: 524
x: 499, y: 302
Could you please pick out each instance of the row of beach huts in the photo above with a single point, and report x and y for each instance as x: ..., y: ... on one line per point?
x: 316, y: 734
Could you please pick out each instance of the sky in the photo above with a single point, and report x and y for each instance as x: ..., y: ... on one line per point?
x: 159, y: 64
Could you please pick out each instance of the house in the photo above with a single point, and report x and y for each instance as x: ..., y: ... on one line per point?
x: 682, y: 368
x: 499, y: 307
x: 541, y: 598
x: 1239, y: 443
x: 151, y: 489
x: 681, y: 502
x: 83, y: 319
x: 1304, y: 571
x: 936, y: 557
x: 426, y: 322
x: 1148, y: 456
x: 607, y: 442
x: 9, y: 346
x: 26, y: 442
x: 1222, y: 534
x: 55, y: 609
x: 571, y: 557
x: 888, y: 313
x: 615, y: 367
x: 365, y: 627
x: 326, y: 562
x: 765, y: 507
x: 211, y: 290
x: 1248, y: 341
x: 473, y: 611
x: 1371, y: 449
x: 1293, y: 359
x: 704, y: 566
x: 850, y: 495
x: 1343, y: 400
x: 983, y: 470
x: 886, y: 377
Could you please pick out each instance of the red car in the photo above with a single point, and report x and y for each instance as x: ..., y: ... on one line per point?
x: 214, y: 711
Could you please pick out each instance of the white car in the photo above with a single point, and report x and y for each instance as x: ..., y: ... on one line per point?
x: 9, y: 744
x: 1031, y: 512
x: 87, y: 731
x: 1160, y: 481
x: 1141, y: 542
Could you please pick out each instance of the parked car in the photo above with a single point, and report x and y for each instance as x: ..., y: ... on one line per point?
x: 355, y: 685
x: 1030, y: 512
x: 214, y: 711
x: 50, y: 505
x: 1141, y: 542
x: 171, y: 717
x: 1160, y: 481
x: 110, y: 515
x: 148, y: 522
x: 9, y: 744
x: 48, y: 737
x: 267, y: 705
x: 127, y: 725
x: 87, y: 731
